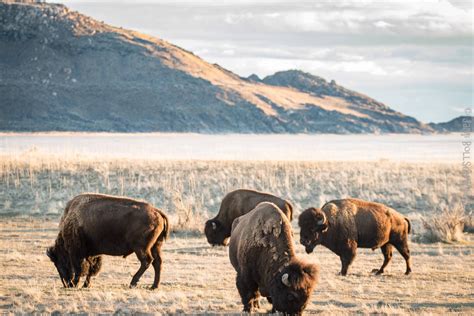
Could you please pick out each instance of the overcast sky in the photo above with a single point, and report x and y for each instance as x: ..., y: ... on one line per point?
x: 415, y: 56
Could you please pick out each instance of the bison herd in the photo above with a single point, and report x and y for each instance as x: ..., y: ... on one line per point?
x: 255, y: 225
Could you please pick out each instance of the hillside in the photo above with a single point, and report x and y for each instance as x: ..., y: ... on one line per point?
x: 61, y: 70
x: 458, y: 124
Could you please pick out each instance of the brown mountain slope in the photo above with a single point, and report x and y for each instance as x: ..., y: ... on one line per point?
x: 61, y: 70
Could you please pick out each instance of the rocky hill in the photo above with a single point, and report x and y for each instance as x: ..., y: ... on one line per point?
x: 61, y: 70
x: 456, y: 125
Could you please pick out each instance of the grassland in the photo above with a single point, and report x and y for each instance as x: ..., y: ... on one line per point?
x: 198, y: 278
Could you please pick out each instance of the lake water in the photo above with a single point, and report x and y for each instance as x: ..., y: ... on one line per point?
x: 422, y: 148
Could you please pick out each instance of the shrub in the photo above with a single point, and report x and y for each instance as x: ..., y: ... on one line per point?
x: 187, y: 217
x: 444, y: 226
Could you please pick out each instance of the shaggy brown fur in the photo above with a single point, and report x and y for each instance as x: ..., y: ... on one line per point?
x: 235, y: 204
x: 96, y: 224
x: 353, y: 223
x: 261, y: 251
x: 91, y: 265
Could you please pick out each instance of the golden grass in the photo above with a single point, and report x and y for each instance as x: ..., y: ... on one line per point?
x: 198, y: 278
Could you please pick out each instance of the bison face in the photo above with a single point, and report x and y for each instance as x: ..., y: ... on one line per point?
x: 216, y: 233
x: 292, y: 287
x: 313, y: 224
x: 62, y: 265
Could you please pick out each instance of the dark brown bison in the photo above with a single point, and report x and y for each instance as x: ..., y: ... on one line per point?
x: 344, y: 225
x: 235, y: 204
x: 261, y: 251
x: 96, y: 224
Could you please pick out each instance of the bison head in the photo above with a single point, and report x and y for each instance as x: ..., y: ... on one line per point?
x: 216, y: 233
x: 313, y: 224
x: 292, y: 287
x: 60, y: 259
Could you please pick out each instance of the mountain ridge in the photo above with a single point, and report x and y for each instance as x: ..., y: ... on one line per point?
x: 458, y: 124
x: 62, y: 70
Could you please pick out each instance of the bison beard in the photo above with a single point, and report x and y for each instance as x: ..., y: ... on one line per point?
x: 90, y: 267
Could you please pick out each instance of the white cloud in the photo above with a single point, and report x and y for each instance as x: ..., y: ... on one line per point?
x: 414, y: 55
x: 382, y: 24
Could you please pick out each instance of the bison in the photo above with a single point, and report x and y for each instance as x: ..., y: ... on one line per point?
x: 261, y: 251
x: 343, y: 225
x: 96, y: 224
x: 235, y: 204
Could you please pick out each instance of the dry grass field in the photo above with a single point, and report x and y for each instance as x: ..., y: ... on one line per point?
x: 198, y: 278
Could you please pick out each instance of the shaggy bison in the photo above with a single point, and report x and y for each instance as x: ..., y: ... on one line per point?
x: 235, y: 204
x: 96, y: 224
x: 344, y: 225
x: 261, y: 251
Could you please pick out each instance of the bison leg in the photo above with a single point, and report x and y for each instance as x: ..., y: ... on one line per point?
x: 248, y: 293
x: 157, y: 261
x: 77, y: 268
x: 146, y: 259
x: 95, y: 263
x: 405, y: 252
x: 387, y: 254
x: 346, y: 259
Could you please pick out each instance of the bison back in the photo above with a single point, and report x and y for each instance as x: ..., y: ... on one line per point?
x: 242, y: 201
x: 117, y: 226
x: 260, y: 240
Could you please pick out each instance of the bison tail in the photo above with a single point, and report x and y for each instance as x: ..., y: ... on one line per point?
x: 165, y: 233
x: 409, y: 224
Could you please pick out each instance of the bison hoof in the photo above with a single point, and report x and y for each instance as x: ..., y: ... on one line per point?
x: 133, y: 285
x: 153, y: 287
x: 408, y: 272
x: 379, y: 272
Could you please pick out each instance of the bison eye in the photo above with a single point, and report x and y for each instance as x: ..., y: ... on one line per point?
x: 291, y: 297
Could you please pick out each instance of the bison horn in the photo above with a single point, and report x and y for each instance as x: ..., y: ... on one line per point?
x: 284, y: 279
x: 323, y: 220
x: 214, y: 226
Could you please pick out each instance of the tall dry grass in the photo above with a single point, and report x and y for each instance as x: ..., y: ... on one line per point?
x: 444, y: 226
x: 191, y: 191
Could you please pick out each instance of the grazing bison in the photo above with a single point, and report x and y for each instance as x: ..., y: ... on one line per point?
x: 261, y: 251
x: 96, y: 224
x: 344, y: 225
x: 235, y: 204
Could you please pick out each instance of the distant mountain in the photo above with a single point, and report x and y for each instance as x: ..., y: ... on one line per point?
x: 61, y: 70
x: 254, y: 77
x: 458, y: 124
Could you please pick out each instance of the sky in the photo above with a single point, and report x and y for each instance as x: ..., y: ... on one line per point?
x: 415, y: 56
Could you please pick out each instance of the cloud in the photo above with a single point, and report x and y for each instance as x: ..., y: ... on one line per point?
x: 383, y: 24
x: 414, y: 55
